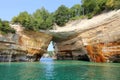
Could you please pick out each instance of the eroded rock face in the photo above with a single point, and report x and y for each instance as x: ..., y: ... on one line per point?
x: 71, y: 49
x: 23, y: 46
x: 98, y: 37
x: 103, y: 42
x: 34, y: 42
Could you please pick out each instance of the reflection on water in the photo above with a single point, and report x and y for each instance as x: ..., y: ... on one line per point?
x: 43, y: 59
x: 49, y: 67
x: 59, y: 70
x: 49, y: 71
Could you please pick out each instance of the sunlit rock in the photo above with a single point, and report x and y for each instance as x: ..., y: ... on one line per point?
x: 24, y: 45
x: 96, y: 39
x: 99, y: 36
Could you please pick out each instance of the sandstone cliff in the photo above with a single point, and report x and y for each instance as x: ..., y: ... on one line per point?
x: 98, y: 37
x: 23, y: 43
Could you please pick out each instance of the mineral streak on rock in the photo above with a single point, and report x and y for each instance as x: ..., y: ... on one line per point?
x: 96, y: 39
x: 99, y: 36
x: 34, y: 42
x: 28, y: 43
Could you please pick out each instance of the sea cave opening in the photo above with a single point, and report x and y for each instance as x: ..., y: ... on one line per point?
x: 49, y: 55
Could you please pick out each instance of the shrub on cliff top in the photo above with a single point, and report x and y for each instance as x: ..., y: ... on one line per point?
x: 5, y: 28
x: 42, y: 19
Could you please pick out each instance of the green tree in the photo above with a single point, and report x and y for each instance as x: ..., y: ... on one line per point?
x: 24, y: 19
x: 76, y: 10
x: 5, y: 28
x: 113, y: 4
x: 110, y: 4
x: 50, y: 21
x: 101, y: 4
x: 117, y: 4
x: 0, y: 23
x: 62, y: 15
x: 88, y: 6
x: 43, y: 19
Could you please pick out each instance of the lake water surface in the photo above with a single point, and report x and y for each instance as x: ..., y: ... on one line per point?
x: 59, y: 70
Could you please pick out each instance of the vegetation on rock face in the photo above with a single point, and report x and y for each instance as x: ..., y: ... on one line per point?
x: 5, y: 28
x: 93, y: 7
x: 75, y: 11
x: 62, y: 15
x: 42, y: 19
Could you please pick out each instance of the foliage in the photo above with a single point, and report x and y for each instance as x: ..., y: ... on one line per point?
x: 101, y: 4
x: 24, y: 19
x: 88, y: 6
x: 42, y: 19
x: 113, y: 4
x: 76, y: 10
x: 93, y: 7
x: 62, y: 15
x: 5, y: 28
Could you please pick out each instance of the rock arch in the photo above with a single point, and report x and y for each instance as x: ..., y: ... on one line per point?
x: 98, y: 38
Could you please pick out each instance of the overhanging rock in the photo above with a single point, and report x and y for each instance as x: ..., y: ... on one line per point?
x: 99, y: 36
x: 96, y: 39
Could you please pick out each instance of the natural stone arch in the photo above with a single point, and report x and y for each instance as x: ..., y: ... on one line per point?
x: 98, y: 37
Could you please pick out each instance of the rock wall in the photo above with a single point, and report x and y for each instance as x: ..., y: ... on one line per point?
x: 98, y: 37
x: 23, y: 46
x: 71, y: 49
x: 34, y: 42
x: 103, y: 42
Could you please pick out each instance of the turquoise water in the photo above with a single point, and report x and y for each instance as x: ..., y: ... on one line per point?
x: 59, y: 70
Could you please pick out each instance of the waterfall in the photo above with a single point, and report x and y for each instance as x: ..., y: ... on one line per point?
x: 46, y: 58
x: 10, y: 57
x: 3, y: 58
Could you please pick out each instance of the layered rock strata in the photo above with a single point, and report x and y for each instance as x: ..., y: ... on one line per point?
x: 98, y: 37
x: 23, y: 46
